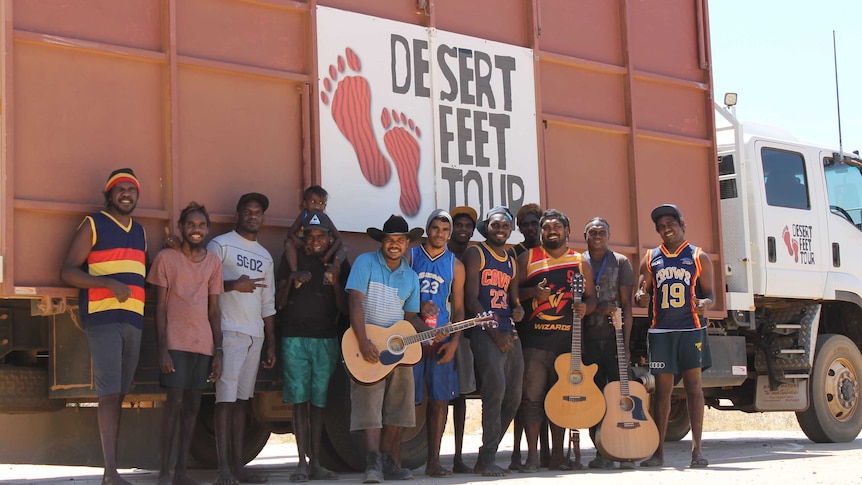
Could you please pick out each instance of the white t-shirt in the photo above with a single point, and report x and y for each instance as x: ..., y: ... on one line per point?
x: 244, y: 312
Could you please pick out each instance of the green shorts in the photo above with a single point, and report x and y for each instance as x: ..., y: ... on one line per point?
x: 678, y: 351
x: 308, y: 364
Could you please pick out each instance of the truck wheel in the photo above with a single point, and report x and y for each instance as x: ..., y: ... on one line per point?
x: 678, y: 423
x: 203, y: 445
x: 833, y: 414
x: 348, y: 448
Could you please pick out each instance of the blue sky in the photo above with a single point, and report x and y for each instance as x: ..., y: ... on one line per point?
x: 777, y: 55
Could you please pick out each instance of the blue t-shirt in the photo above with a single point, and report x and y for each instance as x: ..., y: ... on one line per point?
x: 388, y: 293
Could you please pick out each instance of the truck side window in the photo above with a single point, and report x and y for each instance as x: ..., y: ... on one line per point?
x: 784, y: 179
x: 844, y: 185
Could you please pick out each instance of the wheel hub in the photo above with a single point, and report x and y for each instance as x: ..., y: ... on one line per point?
x: 842, y: 390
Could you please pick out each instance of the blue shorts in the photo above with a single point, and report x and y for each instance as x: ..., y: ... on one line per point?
x: 678, y: 351
x: 114, y: 351
x: 308, y: 364
x: 441, y: 380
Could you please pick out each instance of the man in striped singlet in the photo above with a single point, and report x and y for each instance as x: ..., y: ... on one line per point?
x: 676, y: 280
x: 107, y: 260
x: 491, y: 285
x: 546, y: 274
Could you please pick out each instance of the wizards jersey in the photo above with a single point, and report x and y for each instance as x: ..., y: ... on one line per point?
x: 547, y: 324
x: 675, y: 277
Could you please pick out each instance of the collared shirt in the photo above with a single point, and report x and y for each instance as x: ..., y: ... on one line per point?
x: 388, y: 293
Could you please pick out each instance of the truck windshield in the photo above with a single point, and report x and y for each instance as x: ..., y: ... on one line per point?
x: 844, y: 184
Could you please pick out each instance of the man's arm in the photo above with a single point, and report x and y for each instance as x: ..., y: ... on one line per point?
x: 644, y: 284
x: 339, y: 279
x: 72, y: 274
x: 471, y: 282
x: 357, y: 323
x: 588, y: 299
x: 540, y: 292
x: 214, y: 316
x: 166, y: 364
x: 269, y: 333
x: 705, y: 282
x: 267, y: 306
x: 514, y: 297
x: 626, y: 280
x: 456, y: 314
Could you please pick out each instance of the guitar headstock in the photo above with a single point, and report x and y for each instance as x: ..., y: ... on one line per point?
x: 617, y: 319
x: 486, y: 320
x: 577, y: 287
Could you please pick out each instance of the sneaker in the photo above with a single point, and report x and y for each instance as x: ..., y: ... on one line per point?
x: 391, y: 471
x: 627, y: 465
x: 601, y: 462
x: 373, y: 469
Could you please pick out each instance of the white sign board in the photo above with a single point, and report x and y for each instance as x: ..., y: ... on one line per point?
x: 413, y: 119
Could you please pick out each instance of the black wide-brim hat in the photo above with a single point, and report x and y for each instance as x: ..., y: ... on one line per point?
x: 395, y: 225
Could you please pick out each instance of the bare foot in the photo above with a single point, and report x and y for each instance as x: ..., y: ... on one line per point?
x: 226, y: 478
x: 460, y: 467
x: 437, y: 471
x: 114, y: 479
x: 491, y: 470
x: 320, y: 473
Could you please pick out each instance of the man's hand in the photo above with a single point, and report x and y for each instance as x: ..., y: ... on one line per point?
x: 447, y: 351
x: 642, y: 298
x: 503, y: 341
x: 701, y: 304
x: 440, y: 333
x: 121, y: 291
x: 580, y: 309
x: 369, y: 351
x: 172, y: 241
x: 166, y: 363
x: 428, y: 307
x: 299, y: 277
x: 543, y: 291
x: 244, y: 284
x: 216, y: 367
x: 269, y: 362
x: 518, y: 313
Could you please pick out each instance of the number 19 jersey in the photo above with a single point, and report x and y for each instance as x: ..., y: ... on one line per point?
x: 675, y: 277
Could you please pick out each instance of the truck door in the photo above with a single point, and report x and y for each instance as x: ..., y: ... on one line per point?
x: 844, y: 187
x: 791, y: 222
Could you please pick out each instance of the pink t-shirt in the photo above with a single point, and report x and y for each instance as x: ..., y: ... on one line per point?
x: 189, y: 285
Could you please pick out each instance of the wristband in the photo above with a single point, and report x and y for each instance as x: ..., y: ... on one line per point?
x: 219, y: 348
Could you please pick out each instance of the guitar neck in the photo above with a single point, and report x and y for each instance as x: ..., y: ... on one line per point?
x: 430, y: 334
x: 576, y: 337
x: 621, y: 362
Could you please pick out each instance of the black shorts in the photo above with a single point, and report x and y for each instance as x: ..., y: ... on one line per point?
x: 191, y: 371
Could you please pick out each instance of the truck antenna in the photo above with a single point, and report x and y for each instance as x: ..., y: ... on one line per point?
x: 837, y: 98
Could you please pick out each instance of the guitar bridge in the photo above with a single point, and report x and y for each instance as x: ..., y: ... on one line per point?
x: 628, y: 425
x: 574, y: 398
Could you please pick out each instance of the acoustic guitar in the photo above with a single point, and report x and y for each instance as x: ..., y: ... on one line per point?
x: 628, y: 432
x: 397, y: 346
x: 575, y: 401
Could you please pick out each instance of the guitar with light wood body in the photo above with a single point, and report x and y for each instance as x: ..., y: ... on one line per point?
x: 396, y: 345
x: 627, y: 432
x: 575, y: 401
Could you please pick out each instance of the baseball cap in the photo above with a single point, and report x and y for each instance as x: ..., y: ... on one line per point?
x: 438, y: 214
x: 665, y: 210
x: 463, y: 210
x: 260, y: 198
x: 317, y: 220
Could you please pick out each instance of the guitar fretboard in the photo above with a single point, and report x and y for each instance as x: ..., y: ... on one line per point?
x: 429, y: 334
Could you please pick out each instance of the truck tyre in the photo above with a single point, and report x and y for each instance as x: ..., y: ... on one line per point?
x: 350, y: 446
x: 203, y: 445
x: 833, y: 414
x: 678, y: 423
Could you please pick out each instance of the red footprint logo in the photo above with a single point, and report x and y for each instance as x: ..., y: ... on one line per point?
x: 351, y: 110
x: 400, y: 141
x: 792, y: 245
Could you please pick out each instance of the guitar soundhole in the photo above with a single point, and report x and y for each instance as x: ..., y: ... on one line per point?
x: 626, y: 404
x: 576, y: 377
x: 395, y: 344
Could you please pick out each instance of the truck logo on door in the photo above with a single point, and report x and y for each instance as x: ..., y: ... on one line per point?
x: 797, y: 239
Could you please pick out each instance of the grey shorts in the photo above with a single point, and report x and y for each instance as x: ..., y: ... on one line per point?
x: 388, y: 402
x: 239, y: 366
x: 191, y: 371
x: 114, y: 351
x: 464, y: 367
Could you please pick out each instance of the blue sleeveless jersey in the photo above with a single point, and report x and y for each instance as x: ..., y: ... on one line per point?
x: 435, y: 278
x: 495, y: 275
x: 675, y: 277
